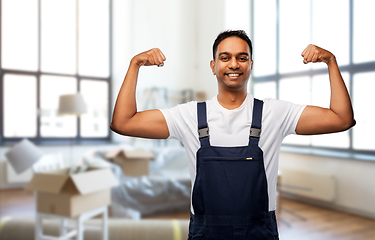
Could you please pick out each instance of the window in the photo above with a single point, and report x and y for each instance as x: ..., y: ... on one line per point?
x: 51, y: 48
x: 281, y: 30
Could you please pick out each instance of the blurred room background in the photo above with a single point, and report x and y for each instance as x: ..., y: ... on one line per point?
x: 51, y: 48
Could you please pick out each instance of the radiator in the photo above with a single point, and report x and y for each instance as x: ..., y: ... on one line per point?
x: 13, y: 177
x: 307, y: 184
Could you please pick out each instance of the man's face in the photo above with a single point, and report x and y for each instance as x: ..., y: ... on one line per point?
x: 232, y: 65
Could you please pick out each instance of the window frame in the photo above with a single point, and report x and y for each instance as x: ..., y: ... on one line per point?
x: 38, y: 73
x: 352, y: 69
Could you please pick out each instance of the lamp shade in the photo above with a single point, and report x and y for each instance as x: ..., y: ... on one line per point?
x: 72, y: 104
x: 23, y: 155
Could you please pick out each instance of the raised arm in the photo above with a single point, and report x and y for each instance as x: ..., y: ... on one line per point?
x: 339, y: 116
x: 126, y: 120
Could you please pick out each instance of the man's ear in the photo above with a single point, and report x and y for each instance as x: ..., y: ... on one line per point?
x: 212, y: 65
x: 251, y: 66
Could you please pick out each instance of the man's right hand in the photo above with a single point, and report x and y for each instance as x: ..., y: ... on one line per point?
x: 150, y: 58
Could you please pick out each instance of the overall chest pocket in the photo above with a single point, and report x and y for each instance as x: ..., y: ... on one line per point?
x: 234, y: 186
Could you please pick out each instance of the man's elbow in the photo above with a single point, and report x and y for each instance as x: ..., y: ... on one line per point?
x: 112, y: 127
x: 353, y: 123
x: 348, y: 124
x: 115, y: 127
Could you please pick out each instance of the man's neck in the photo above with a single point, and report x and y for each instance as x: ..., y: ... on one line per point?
x: 231, y: 100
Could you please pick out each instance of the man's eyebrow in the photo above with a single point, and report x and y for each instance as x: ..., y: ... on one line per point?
x: 243, y: 53
x: 240, y: 53
x: 224, y: 53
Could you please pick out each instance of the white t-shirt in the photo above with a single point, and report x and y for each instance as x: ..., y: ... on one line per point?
x: 229, y: 128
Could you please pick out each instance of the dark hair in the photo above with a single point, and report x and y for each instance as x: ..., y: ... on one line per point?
x: 232, y: 33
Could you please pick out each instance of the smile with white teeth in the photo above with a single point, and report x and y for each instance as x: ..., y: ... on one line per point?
x: 233, y: 74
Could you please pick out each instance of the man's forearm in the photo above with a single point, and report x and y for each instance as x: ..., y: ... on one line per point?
x: 340, y: 102
x: 126, y: 106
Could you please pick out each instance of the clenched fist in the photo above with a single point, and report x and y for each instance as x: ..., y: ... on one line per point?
x: 314, y: 54
x: 150, y: 58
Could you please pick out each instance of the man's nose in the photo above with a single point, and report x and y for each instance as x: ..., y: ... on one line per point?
x: 233, y: 63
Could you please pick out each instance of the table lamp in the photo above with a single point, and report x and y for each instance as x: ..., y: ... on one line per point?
x: 72, y: 104
x: 23, y: 155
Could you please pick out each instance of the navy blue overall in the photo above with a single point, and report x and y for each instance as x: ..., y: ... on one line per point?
x: 230, y: 197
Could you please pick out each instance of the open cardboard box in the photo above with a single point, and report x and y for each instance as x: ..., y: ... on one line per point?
x: 70, y: 195
x: 133, y: 163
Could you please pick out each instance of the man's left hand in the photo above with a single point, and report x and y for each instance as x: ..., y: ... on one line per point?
x: 315, y: 54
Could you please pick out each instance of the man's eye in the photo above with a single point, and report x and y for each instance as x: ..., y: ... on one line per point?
x: 224, y: 58
x: 243, y: 59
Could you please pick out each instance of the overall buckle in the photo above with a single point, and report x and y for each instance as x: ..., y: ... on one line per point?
x: 255, y: 132
x: 204, y: 132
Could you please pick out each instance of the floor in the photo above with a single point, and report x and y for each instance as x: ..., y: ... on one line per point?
x: 296, y: 220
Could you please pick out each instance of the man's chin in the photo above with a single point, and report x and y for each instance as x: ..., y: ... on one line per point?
x: 236, y: 87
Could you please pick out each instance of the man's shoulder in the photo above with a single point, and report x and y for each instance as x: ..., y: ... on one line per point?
x: 183, y: 108
x: 191, y: 105
x: 281, y: 109
x: 272, y: 103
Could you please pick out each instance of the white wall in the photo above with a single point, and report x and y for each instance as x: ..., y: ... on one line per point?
x: 166, y: 24
x: 355, y: 190
x: 211, y: 16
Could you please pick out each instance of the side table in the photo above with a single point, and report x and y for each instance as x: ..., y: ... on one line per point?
x: 77, y: 230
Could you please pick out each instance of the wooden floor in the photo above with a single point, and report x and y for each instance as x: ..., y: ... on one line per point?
x: 296, y: 220
x: 303, y: 221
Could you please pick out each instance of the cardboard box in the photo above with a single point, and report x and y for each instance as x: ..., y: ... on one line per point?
x: 133, y: 163
x: 61, y: 194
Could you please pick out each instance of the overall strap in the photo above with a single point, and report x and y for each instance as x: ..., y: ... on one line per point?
x: 203, y: 132
x: 256, y: 125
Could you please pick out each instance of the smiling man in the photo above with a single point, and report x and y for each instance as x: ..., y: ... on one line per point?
x: 232, y: 66
x: 232, y: 140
